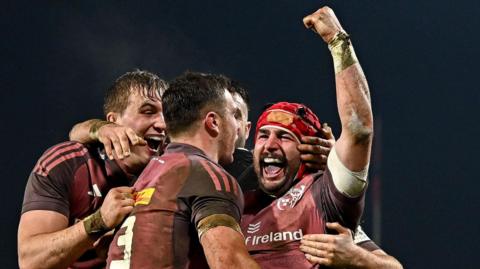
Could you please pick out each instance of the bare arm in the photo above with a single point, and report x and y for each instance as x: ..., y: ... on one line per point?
x: 114, y: 137
x: 353, y: 97
x: 81, y: 131
x: 46, y: 241
x: 339, y: 251
x: 225, y: 248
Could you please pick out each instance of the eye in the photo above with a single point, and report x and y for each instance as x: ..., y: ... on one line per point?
x: 287, y: 137
x: 148, y: 111
x: 262, y: 136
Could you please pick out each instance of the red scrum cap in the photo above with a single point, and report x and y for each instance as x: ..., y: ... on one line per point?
x: 295, y: 118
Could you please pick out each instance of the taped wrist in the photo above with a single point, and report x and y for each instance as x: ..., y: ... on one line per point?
x: 342, y: 52
x: 96, y: 125
x: 94, y: 225
x: 216, y: 220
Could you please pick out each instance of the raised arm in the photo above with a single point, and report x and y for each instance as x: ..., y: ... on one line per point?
x: 46, y: 241
x: 114, y: 137
x: 353, y: 97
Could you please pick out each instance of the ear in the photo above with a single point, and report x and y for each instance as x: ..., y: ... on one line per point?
x: 211, y: 123
x: 248, y: 126
x: 112, y: 117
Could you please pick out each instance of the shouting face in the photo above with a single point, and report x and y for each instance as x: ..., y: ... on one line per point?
x: 276, y: 159
x: 144, y: 116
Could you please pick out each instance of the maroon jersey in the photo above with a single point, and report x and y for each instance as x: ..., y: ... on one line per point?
x: 174, y: 192
x: 72, y: 179
x: 273, y: 227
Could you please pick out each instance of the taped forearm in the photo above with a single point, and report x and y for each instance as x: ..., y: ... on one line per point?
x: 348, y: 182
x: 353, y: 95
x: 223, y: 243
x: 87, y: 131
x: 216, y: 220
x: 342, y: 52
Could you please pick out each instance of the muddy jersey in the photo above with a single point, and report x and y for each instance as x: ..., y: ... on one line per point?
x: 174, y: 192
x: 73, y: 179
x: 273, y: 227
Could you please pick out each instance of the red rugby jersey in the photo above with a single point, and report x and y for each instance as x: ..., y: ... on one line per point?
x: 73, y: 179
x: 273, y: 227
x: 175, y: 191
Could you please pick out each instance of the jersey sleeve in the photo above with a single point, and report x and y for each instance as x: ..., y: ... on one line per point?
x: 335, y: 205
x: 361, y: 239
x: 210, y: 190
x: 49, y: 183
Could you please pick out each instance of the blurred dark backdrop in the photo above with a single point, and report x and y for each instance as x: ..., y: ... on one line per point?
x: 420, y: 58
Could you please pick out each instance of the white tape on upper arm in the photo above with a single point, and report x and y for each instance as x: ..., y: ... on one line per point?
x: 347, y: 182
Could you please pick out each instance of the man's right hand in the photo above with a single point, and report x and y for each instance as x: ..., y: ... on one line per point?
x: 314, y: 150
x: 117, y: 205
x: 324, y: 22
x: 117, y: 138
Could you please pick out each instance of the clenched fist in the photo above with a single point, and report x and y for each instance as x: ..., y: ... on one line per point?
x: 324, y: 22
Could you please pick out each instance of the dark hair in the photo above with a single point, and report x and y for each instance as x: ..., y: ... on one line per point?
x: 240, y: 90
x: 146, y: 83
x: 189, y: 95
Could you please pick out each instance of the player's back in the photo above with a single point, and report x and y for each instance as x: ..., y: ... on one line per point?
x: 161, y: 232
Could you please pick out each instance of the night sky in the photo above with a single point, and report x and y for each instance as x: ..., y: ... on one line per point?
x: 420, y: 58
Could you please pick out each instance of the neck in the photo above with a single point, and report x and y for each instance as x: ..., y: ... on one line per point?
x: 204, y: 142
x: 130, y: 168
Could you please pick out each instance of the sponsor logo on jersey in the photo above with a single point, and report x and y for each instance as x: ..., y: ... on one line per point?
x: 290, y: 198
x: 253, y: 228
x: 144, y: 196
x: 254, y: 240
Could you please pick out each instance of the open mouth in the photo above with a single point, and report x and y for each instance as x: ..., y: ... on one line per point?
x: 273, y: 167
x: 155, y: 142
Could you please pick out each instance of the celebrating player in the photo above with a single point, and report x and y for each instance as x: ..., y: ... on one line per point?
x: 75, y: 195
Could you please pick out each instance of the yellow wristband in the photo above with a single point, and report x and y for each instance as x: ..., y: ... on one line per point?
x: 94, y: 224
x: 342, y: 52
x: 96, y: 125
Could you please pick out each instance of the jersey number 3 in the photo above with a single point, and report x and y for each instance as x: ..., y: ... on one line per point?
x: 125, y: 240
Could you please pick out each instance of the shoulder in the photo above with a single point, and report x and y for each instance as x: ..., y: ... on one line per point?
x: 210, y: 172
x: 60, y: 154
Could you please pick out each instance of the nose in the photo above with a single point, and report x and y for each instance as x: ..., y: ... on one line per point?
x: 159, y: 123
x: 272, y: 142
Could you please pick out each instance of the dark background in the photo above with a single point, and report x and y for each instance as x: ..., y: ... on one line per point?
x: 420, y: 58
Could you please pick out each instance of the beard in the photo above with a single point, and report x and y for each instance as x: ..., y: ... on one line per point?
x: 285, y: 174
